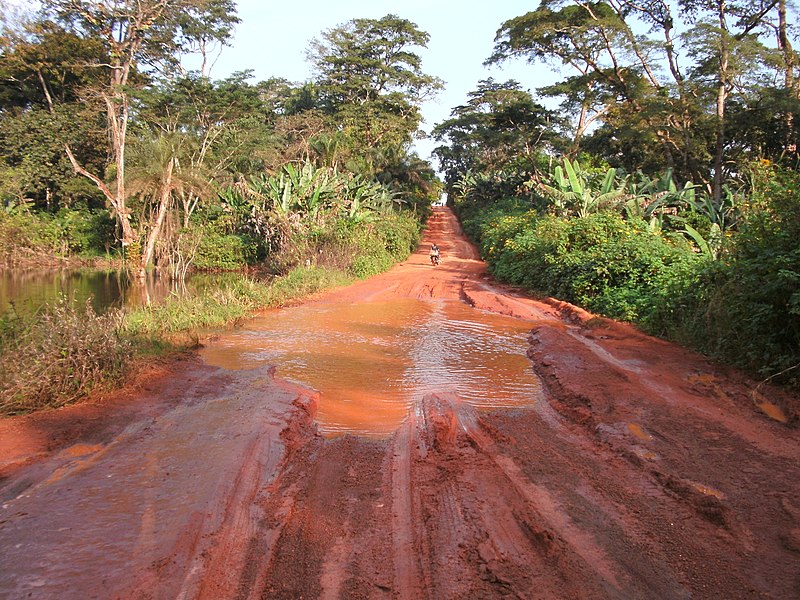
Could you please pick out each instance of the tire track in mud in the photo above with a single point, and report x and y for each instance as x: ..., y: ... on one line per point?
x: 408, y: 575
x: 465, y: 522
x: 716, y: 470
x: 645, y: 472
x: 163, y: 509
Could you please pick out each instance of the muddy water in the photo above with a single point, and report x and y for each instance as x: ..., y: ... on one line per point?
x: 372, y: 362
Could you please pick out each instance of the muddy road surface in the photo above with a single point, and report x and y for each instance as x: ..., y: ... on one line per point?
x: 627, y: 467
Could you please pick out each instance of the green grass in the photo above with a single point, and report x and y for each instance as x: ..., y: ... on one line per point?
x: 234, y: 300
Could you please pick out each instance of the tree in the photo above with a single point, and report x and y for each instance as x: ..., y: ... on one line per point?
x: 589, y: 37
x: 633, y: 96
x: 137, y: 35
x: 207, y: 26
x: 42, y: 77
x: 725, y: 48
x: 371, y: 81
x: 501, y: 126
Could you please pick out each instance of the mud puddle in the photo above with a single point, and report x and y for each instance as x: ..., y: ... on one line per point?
x: 372, y: 362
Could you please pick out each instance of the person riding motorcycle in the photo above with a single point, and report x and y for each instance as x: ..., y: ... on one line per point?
x: 434, y: 253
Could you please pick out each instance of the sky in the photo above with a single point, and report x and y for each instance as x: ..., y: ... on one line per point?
x: 273, y: 37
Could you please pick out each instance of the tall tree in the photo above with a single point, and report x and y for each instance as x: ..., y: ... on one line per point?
x: 42, y: 79
x: 591, y: 38
x: 501, y: 126
x: 629, y: 86
x: 369, y: 77
x: 137, y: 35
x: 725, y: 48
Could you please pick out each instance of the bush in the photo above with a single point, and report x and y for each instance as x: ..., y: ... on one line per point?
x: 752, y: 298
x: 602, y: 262
x: 26, y: 237
x: 58, y: 355
x: 219, y: 251
x: 86, y: 232
x: 743, y: 309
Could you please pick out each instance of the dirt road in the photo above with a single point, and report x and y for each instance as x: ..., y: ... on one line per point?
x: 646, y: 472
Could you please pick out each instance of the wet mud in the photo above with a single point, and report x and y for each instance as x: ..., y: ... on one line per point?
x: 631, y: 468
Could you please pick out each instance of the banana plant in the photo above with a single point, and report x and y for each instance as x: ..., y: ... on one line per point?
x: 725, y: 214
x: 710, y: 246
x: 649, y: 199
x: 571, y: 190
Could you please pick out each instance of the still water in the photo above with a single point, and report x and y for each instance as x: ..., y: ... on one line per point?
x: 372, y: 362
x: 29, y: 290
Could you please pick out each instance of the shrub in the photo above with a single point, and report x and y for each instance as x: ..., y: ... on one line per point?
x: 602, y: 262
x: 221, y: 251
x: 87, y: 232
x: 752, y: 314
x: 58, y: 355
x: 26, y: 237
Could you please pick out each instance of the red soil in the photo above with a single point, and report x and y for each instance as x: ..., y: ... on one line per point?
x: 648, y: 472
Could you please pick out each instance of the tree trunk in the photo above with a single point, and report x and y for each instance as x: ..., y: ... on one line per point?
x: 155, y: 230
x: 722, y: 97
x: 785, y: 45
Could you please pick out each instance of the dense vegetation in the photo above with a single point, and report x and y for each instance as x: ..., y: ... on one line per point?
x: 666, y: 190
x: 109, y: 148
x: 734, y: 296
x: 663, y: 191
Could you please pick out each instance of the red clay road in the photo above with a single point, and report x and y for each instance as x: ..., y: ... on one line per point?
x: 648, y: 472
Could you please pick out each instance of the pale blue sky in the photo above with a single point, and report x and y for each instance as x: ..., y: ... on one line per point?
x: 273, y: 37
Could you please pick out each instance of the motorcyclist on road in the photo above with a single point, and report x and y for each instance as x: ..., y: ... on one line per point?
x: 434, y: 253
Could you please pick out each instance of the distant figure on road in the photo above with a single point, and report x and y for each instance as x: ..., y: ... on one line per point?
x: 434, y: 253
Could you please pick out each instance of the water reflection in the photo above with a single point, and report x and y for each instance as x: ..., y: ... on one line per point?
x: 29, y: 290
x: 371, y: 362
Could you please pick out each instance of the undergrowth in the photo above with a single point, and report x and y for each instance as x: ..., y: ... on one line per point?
x: 59, y: 354
x: 741, y: 307
x: 234, y: 300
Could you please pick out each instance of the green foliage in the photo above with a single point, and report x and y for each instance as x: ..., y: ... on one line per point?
x: 380, y: 245
x: 602, y: 262
x: 485, y: 223
x: 216, y: 250
x: 738, y: 301
x: 501, y: 128
x: 651, y: 198
x: 86, y: 232
x: 33, y: 158
x: 370, y: 81
x: 233, y: 300
x: 314, y: 213
x: 58, y: 355
x: 26, y: 238
x: 709, y: 99
x: 31, y: 238
x: 576, y: 191
x: 753, y: 297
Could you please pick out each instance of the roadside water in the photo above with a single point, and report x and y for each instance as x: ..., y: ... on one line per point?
x: 371, y: 362
x: 30, y: 290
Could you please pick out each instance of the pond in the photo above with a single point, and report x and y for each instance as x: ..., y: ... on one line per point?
x: 29, y: 290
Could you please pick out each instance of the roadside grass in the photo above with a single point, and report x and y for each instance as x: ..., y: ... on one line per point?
x: 63, y: 352
x: 59, y: 354
x: 236, y: 299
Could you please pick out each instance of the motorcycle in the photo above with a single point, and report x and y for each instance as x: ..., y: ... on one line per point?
x: 434, y: 259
